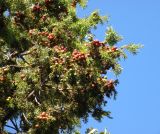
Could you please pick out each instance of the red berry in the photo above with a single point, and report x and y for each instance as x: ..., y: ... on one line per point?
x: 50, y: 36
x: 113, y: 49
x: 78, y: 55
x: 110, y: 84
x: 37, y: 8
x: 97, y: 43
x: 44, y: 17
x: 43, y: 114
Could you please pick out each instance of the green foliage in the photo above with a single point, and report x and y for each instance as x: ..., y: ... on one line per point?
x: 112, y: 37
x: 133, y: 48
x: 51, y: 76
x: 95, y: 131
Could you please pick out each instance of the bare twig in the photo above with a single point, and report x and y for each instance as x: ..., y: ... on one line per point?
x: 15, y: 66
x: 25, y: 118
x: 28, y: 52
x: 35, y: 98
x: 31, y: 94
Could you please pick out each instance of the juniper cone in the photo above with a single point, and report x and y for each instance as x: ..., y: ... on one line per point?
x: 52, y: 67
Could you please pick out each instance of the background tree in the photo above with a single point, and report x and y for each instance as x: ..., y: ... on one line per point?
x: 53, y: 73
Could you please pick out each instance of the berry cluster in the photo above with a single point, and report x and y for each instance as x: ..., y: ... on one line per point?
x: 110, y: 84
x: 46, y: 43
x: 114, y: 52
x: 61, y: 49
x: 32, y: 32
x: 110, y: 49
x: 36, y: 8
x: 97, y: 43
x: 78, y: 56
x: 43, y: 33
x: 47, y: 38
x: 58, y: 61
x: 50, y: 36
x: 114, y: 49
x: 43, y: 116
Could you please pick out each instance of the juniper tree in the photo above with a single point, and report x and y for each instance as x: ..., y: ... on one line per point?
x: 53, y: 72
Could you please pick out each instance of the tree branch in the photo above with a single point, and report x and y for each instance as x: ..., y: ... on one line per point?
x: 31, y: 94
x: 25, y: 118
x: 35, y: 98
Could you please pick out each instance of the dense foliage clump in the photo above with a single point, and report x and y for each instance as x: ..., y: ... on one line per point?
x: 51, y: 67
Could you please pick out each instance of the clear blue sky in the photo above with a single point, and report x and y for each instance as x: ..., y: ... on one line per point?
x: 137, y: 108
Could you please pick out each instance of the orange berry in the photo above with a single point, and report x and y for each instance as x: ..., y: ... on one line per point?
x: 50, y: 36
x: 43, y: 114
x: 2, y: 78
x: 113, y: 49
